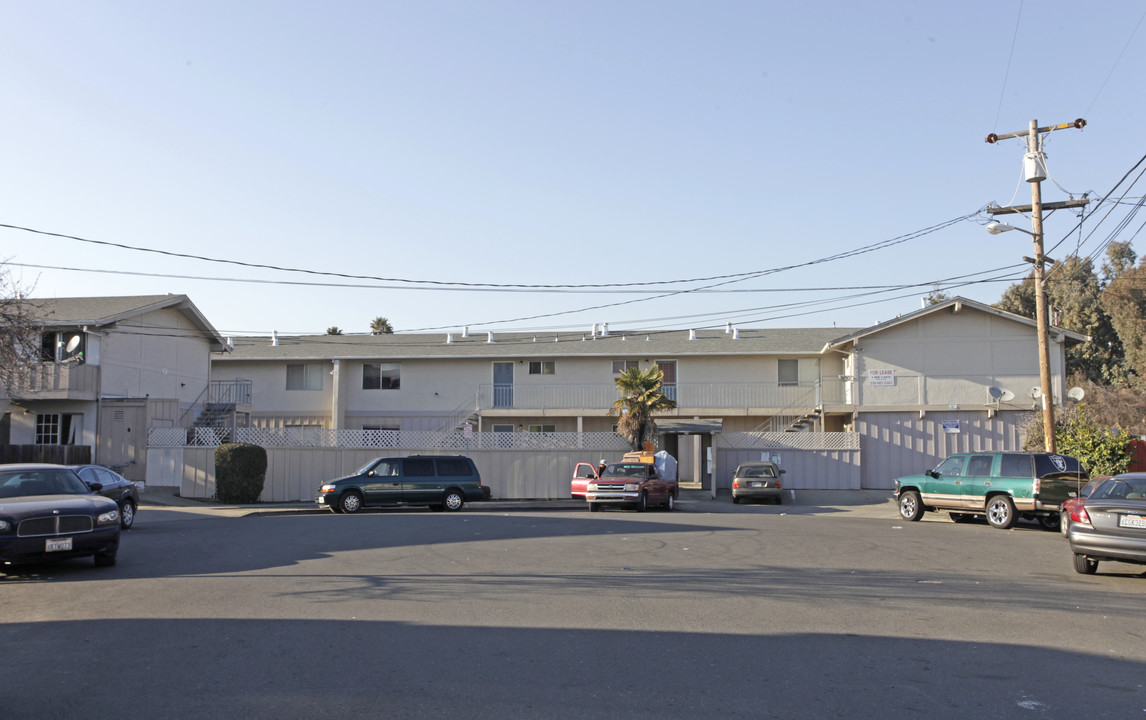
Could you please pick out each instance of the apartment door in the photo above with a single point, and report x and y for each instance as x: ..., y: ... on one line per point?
x: 503, y: 384
x: 122, y: 441
x: 668, y: 384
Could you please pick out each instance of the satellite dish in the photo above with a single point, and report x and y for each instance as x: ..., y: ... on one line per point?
x: 1036, y: 392
x: 1076, y: 394
x: 994, y: 392
x: 73, y: 343
x: 1007, y: 396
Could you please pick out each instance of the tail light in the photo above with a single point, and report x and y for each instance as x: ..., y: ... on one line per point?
x: 1080, y: 516
x: 735, y: 483
x: 1035, y: 487
x: 777, y: 484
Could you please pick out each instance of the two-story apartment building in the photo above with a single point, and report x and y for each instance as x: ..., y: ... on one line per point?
x: 950, y: 376
x: 109, y: 368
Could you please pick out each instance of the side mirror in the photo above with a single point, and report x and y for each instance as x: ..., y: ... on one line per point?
x: 95, y: 487
x: 782, y: 471
x: 931, y: 473
x: 370, y: 474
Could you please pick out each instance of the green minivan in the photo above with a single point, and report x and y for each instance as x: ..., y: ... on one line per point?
x: 1004, y: 486
x: 445, y: 482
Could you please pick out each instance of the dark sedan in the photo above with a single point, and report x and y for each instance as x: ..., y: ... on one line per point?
x: 1110, y: 524
x: 47, y: 512
x: 114, y: 486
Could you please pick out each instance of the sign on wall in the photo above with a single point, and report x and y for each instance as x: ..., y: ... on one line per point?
x: 951, y: 427
x: 881, y: 376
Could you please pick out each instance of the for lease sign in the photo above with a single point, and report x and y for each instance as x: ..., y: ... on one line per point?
x: 881, y: 376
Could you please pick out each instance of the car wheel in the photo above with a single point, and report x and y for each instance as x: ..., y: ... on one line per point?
x: 1064, y: 523
x: 1084, y: 565
x: 453, y: 501
x: 910, y: 505
x: 670, y: 504
x: 106, y: 559
x: 643, y: 502
x: 1050, y: 522
x: 1000, y: 512
x: 127, y: 514
x: 594, y: 507
x: 778, y: 500
x: 350, y: 502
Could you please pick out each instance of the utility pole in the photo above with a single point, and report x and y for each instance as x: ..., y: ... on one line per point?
x: 1034, y: 163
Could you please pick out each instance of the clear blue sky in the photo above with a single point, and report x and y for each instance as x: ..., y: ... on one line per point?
x: 544, y: 143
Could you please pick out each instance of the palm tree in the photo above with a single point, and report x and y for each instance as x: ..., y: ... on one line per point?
x: 641, y: 396
x: 334, y: 330
x: 381, y: 326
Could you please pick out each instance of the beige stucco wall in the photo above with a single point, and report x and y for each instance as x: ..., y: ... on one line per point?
x: 159, y: 354
x: 952, y: 359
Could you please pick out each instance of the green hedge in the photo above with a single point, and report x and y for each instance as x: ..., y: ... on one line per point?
x: 240, y: 472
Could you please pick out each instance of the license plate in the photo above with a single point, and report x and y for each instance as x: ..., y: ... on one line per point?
x: 759, y: 484
x: 58, y: 545
x: 1132, y: 521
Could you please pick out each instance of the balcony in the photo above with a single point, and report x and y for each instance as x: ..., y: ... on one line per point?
x: 751, y: 398
x: 55, y: 381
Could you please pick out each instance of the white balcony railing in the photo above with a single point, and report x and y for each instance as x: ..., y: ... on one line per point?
x: 528, y: 396
x: 56, y: 380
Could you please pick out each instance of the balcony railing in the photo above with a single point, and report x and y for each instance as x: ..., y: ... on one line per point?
x: 717, y: 396
x: 230, y: 392
x: 51, y: 380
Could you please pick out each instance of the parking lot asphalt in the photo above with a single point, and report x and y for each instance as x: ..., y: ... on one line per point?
x: 864, y: 503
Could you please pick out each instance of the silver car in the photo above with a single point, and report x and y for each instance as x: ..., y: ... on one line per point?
x: 1110, y: 524
x: 758, y: 480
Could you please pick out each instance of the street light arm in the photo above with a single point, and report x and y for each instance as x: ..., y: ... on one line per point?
x: 997, y: 227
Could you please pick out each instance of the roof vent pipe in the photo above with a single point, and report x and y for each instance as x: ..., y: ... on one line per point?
x: 727, y: 328
x: 593, y: 332
x: 736, y: 333
x: 449, y: 338
x: 489, y: 338
x: 692, y: 334
x: 274, y: 337
x: 466, y: 331
x: 230, y: 341
x: 604, y: 329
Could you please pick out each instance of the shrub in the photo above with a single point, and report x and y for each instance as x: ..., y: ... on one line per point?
x: 1101, y: 450
x: 240, y: 471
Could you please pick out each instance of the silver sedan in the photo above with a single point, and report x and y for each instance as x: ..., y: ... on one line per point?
x: 1110, y: 524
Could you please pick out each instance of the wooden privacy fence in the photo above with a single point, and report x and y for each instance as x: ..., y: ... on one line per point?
x: 512, y: 470
x: 57, y: 454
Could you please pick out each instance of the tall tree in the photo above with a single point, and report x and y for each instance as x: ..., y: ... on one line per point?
x: 1124, y: 299
x: 641, y: 397
x: 1074, y: 296
x: 381, y: 326
x: 19, y: 336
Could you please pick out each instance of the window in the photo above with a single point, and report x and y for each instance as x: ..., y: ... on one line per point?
x: 503, y: 428
x: 542, y: 428
x: 304, y: 377
x: 542, y: 367
x: 62, y: 347
x: 419, y: 467
x: 668, y: 380
x: 980, y: 465
x: 452, y: 466
x: 57, y: 428
x: 788, y: 372
x: 381, y: 376
x: 620, y: 366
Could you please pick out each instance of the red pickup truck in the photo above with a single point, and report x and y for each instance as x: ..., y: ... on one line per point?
x: 627, y: 484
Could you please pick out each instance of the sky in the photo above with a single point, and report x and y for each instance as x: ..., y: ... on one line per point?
x: 520, y: 165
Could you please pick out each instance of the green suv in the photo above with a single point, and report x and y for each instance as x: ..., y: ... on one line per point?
x: 441, y: 482
x: 1004, y: 486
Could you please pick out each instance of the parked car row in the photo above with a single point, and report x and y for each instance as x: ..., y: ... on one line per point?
x: 49, y: 512
x: 1104, y: 518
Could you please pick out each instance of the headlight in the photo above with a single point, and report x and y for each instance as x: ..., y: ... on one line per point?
x: 592, y: 487
x: 631, y: 487
x: 110, y: 517
x: 5, y: 526
x: 326, y: 489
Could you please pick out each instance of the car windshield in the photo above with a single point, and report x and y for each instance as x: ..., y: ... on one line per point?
x: 758, y: 471
x: 624, y: 471
x: 1121, y: 489
x: 45, y: 481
